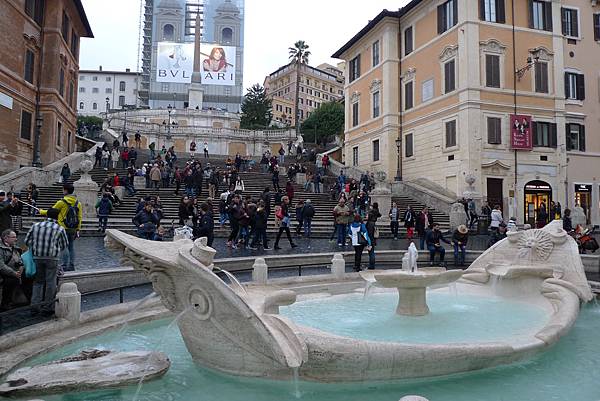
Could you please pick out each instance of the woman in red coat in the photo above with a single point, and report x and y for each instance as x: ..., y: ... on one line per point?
x: 289, y: 189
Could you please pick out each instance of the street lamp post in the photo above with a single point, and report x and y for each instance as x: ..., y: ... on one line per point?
x: 37, y: 161
x: 107, y: 104
x: 125, y: 122
x: 399, y: 168
x: 169, y: 110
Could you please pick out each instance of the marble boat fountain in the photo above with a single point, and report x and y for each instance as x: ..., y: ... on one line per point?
x: 239, y: 330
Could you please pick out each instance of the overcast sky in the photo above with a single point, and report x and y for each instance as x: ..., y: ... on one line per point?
x: 271, y: 27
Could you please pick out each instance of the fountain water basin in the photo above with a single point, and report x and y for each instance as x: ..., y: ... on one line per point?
x: 412, y: 286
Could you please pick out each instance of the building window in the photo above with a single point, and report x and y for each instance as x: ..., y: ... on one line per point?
x: 541, y: 77
x: 376, y: 150
x: 121, y: 100
x: 59, y: 134
x: 122, y: 86
x: 309, y: 102
x: 95, y: 78
x: 35, y: 9
x: 540, y: 15
x: 376, y: 104
x: 61, y: 82
x: 164, y: 87
x: 81, y: 106
x: 354, y: 71
x: 408, y: 41
x: 354, y: 114
x: 25, y: 125
x: 74, y: 43
x: 71, y: 94
x: 69, y: 135
x: 447, y: 15
x: 494, y: 129
x: 492, y: 71
x: 227, y: 35
x: 168, y: 32
x: 355, y: 156
x: 544, y: 134
x: 82, y: 77
x: 95, y: 106
x: 108, y: 90
x: 570, y: 22
x: 309, y: 91
x: 576, y: 137
x: 375, y: 51
x: 408, y: 145
x: 427, y: 90
x: 95, y: 90
x: 300, y: 100
x: 82, y: 90
x: 29, y: 65
x: 408, y: 95
x: 66, y: 27
x: 492, y: 11
x: 596, y: 19
x: 449, y: 76
x: 574, y: 86
x: 450, y: 133
x: 108, y: 79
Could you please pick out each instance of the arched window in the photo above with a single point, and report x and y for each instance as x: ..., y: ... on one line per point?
x: 168, y: 32
x: 95, y: 106
x: 80, y: 105
x: 227, y: 35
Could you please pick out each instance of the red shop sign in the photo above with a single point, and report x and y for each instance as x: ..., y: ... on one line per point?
x: 520, y: 132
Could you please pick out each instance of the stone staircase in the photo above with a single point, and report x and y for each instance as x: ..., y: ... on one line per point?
x: 254, y: 181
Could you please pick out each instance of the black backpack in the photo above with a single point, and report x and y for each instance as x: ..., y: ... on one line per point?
x: 72, y: 216
x: 309, y: 211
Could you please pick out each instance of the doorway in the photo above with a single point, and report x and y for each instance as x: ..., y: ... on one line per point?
x: 495, y: 195
x: 583, y: 198
x: 537, y: 193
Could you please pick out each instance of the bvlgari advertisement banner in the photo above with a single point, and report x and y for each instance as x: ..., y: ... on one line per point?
x: 218, y: 64
x: 520, y: 132
x: 175, y: 63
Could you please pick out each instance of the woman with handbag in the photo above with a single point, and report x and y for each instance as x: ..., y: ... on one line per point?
x: 360, y: 238
x: 373, y: 231
x: 283, y: 216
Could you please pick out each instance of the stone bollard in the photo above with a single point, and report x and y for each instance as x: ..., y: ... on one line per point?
x: 69, y: 302
x: 139, y: 182
x: 413, y: 398
x: 338, y: 266
x: 260, y: 271
x: 300, y: 178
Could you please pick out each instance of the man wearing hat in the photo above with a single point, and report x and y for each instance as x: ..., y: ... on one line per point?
x: 8, y: 208
x: 459, y: 242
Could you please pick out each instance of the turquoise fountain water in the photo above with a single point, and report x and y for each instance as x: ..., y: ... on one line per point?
x: 569, y: 371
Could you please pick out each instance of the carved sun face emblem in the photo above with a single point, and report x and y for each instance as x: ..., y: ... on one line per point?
x: 535, y: 242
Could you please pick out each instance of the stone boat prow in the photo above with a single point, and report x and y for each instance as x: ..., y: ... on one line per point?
x: 223, y: 327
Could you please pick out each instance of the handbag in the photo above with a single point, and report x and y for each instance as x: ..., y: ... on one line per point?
x: 29, y: 264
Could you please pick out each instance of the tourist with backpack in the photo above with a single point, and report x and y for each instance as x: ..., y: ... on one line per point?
x: 103, y: 208
x: 69, y: 217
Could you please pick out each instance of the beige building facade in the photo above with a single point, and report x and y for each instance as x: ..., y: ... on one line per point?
x: 316, y: 86
x: 440, y: 76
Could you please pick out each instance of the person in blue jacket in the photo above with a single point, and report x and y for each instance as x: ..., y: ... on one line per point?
x: 357, y: 231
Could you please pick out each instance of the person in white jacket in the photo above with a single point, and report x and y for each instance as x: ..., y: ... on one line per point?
x: 239, y: 185
x: 496, y: 218
x: 114, y: 155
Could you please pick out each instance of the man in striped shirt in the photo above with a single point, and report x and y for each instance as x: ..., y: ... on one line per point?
x: 46, y: 240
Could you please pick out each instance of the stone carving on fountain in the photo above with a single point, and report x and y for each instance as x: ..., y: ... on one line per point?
x: 221, y: 329
x: 238, y: 330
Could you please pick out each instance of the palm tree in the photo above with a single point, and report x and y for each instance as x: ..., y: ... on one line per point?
x: 299, y: 55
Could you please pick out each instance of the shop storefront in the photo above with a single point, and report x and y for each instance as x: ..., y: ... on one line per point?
x: 583, y: 198
x: 537, y: 193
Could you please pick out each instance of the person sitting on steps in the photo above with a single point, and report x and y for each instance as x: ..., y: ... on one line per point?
x: 433, y: 239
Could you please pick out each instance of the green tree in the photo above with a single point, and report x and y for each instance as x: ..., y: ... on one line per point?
x: 299, y: 55
x: 88, y: 125
x: 256, y: 109
x: 324, y: 123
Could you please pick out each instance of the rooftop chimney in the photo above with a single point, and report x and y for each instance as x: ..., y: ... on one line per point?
x: 100, y: 68
x: 127, y: 70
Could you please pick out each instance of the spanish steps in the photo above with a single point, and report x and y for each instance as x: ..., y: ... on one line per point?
x: 254, y: 181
